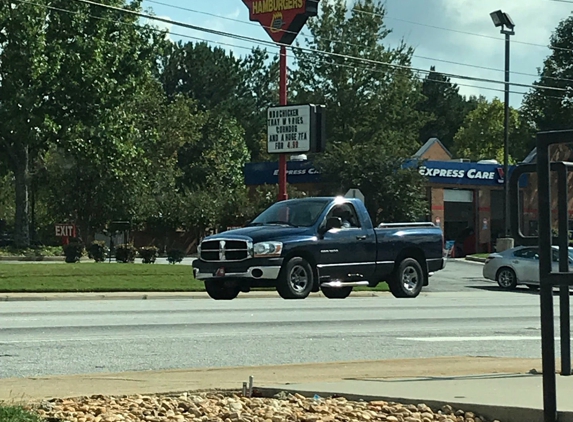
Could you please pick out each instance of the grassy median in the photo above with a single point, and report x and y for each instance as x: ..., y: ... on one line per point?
x: 104, y: 277
x: 97, y: 277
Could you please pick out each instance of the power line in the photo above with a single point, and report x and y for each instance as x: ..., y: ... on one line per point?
x: 314, y: 51
x: 355, y: 45
x: 465, y: 32
x: 273, y: 46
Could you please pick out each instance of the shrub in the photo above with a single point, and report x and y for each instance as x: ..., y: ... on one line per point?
x: 32, y: 252
x: 74, y: 250
x: 175, y: 255
x: 125, y: 253
x: 148, y: 254
x: 98, y: 250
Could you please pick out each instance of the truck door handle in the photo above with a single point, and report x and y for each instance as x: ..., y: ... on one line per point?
x: 361, y: 237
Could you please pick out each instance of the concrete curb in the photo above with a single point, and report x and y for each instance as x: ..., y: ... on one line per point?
x: 491, y: 412
x: 475, y: 259
x: 62, y: 259
x: 29, y: 297
x: 32, y: 259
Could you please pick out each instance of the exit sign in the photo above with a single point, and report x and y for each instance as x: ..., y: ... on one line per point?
x: 65, y: 230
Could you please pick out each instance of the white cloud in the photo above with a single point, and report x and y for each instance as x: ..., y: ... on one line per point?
x: 535, y: 20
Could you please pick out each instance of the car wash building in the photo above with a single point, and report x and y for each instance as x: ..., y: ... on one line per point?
x: 528, y: 200
x: 465, y: 198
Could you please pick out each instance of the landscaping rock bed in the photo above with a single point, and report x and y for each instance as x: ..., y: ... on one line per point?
x: 228, y: 407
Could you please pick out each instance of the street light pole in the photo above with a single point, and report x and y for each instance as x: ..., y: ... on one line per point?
x: 506, y: 228
x: 502, y: 19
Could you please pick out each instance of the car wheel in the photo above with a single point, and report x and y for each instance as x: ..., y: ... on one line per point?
x: 296, y: 279
x: 336, y: 293
x: 222, y: 289
x: 407, y: 280
x: 506, y: 278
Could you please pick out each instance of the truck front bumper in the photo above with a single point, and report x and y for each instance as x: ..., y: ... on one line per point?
x: 252, y: 269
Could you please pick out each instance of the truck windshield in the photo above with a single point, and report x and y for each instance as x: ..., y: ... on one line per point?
x: 296, y: 213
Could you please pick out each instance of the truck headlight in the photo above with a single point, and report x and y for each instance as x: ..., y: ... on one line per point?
x: 265, y: 249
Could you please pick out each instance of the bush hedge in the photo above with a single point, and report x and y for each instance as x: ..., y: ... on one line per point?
x: 148, y: 254
x: 74, y: 250
x: 125, y: 253
x: 98, y: 250
x: 175, y: 255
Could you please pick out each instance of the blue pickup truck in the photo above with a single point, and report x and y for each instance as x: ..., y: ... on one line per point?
x: 326, y: 244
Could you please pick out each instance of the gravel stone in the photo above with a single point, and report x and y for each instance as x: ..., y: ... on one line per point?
x: 232, y: 407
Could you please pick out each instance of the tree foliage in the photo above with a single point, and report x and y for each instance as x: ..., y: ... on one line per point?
x: 546, y: 109
x: 482, y: 135
x: 104, y: 119
x: 66, y: 77
x: 446, y: 107
x: 373, y: 121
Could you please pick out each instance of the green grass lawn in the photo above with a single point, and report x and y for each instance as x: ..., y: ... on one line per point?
x: 103, y: 277
x: 97, y: 277
x: 480, y: 255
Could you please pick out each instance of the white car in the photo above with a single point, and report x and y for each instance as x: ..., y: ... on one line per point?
x: 518, y: 266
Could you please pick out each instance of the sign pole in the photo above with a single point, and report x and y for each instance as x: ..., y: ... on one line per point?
x: 283, y: 101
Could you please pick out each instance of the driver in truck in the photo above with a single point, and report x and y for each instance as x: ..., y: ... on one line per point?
x: 344, y: 214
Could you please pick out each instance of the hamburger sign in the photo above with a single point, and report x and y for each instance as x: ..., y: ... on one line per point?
x: 282, y: 19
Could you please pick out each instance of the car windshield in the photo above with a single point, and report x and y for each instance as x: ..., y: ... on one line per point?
x: 296, y: 213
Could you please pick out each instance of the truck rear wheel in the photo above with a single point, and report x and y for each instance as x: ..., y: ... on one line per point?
x: 222, y: 289
x: 336, y: 293
x: 407, y: 280
x: 296, y: 279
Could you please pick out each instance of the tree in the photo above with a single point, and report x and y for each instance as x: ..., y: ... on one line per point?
x: 365, y: 101
x: 552, y: 109
x: 25, y: 74
x: 240, y: 89
x: 482, y: 134
x: 217, y: 159
x: 447, y: 107
x: 372, y: 118
x: 259, y: 90
x: 66, y: 76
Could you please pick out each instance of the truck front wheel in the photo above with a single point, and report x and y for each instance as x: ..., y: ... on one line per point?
x: 407, y: 280
x: 296, y: 279
x: 222, y: 289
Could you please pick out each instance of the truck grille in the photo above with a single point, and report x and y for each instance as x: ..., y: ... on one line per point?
x: 224, y: 250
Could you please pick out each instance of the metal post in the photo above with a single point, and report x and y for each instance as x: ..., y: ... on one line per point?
x: 251, y: 379
x: 564, y: 317
x: 506, y: 144
x: 546, y: 288
x: 283, y: 101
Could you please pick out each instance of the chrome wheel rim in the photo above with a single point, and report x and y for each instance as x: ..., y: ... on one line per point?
x: 410, y: 279
x: 298, y: 278
x: 506, y: 278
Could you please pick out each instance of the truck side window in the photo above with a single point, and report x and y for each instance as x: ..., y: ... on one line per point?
x: 347, y: 214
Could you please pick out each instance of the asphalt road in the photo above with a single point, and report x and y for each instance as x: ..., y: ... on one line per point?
x: 461, y: 314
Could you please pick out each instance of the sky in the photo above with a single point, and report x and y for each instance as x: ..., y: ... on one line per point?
x: 455, y: 36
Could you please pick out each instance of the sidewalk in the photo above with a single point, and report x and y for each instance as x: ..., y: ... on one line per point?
x: 497, y: 388
x: 510, y: 397
x: 283, y: 376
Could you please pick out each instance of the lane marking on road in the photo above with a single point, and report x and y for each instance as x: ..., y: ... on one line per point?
x: 460, y: 339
